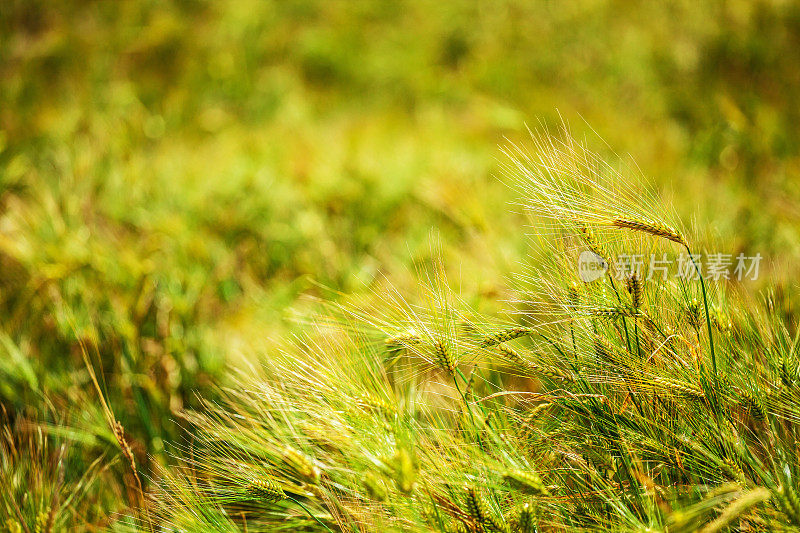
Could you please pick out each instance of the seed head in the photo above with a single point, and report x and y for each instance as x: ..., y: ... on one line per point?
x: 591, y: 240
x: 525, y: 521
x: 753, y: 406
x: 480, y: 514
x: 302, y: 465
x: 734, y: 470
x: 374, y: 487
x: 694, y: 313
x: 634, y: 285
x: 788, y: 371
x: 652, y: 227
x: 443, y: 358
x: 402, y: 340
x: 403, y: 471
x: 512, y: 356
x: 614, y: 312
x: 526, y: 481
x: 505, y: 335
x: 265, y: 489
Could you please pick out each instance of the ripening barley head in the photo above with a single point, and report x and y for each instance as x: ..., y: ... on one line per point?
x: 566, y: 186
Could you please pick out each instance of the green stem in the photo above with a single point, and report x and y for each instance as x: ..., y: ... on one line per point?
x: 708, y: 318
x: 309, y: 513
x: 466, y: 402
x: 624, y: 323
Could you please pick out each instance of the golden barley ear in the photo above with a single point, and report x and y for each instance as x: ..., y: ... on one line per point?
x: 650, y: 227
x: 127, y: 452
x: 513, y: 356
x: 117, y: 430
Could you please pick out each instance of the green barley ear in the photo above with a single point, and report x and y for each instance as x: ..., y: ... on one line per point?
x: 528, y: 423
x: 526, y: 481
x: 591, y: 240
x: 789, y: 502
x: 514, y: 357
x: 443, y: 357
x: 402, y: 340
x: 611, y: 312
x: 752, y: 405
x: 13, y: 526
x: 505, y: 336
x: 788, y: 371
x: 651, y: 227
x: 377, y: 405
x: 403, y: 471
x: 734, y: 470
x: 525, y: 521
x: 683, y: 390
x: 41, y: 521
x: 737, y: 509
x: 634, y: 286
x: 720, y: 321
x: 302, y: 465
x: 537, y: 412
x: 478, y: 511
x: 374, y: 487
x: 694, y: 313
x: 604, y: 351
x: 265, y: 489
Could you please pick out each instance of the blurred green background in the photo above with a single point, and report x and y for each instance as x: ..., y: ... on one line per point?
x: 176, y: 176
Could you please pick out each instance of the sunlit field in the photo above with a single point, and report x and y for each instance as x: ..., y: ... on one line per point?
x: 338, y: 266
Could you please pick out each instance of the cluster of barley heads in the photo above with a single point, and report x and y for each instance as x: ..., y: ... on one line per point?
x: 628, y: 403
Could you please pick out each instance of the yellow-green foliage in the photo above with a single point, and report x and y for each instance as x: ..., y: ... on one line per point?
x: 176, y: 176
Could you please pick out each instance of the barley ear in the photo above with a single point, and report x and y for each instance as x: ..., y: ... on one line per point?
x: 651, y: 227
x: 443, y: 357
x: 265, y: 489
x: 737, y: 509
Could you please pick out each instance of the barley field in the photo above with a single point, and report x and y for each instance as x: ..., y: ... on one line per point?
x: 365, y: 266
